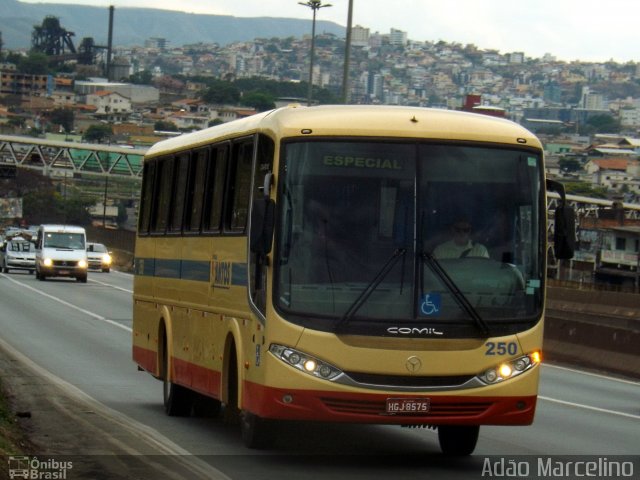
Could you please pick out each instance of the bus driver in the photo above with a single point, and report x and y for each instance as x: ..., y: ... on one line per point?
x: 460, y: 245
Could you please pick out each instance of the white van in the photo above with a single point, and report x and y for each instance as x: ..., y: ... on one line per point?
x: 61, y: 252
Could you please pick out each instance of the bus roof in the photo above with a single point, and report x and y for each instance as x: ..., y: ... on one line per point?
x: 359, y: 120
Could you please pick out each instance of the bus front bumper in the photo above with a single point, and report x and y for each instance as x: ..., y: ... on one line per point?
x: 345, y: 407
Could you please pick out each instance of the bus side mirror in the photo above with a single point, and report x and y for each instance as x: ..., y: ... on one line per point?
x: 564, y: 234
x: 262, y: 225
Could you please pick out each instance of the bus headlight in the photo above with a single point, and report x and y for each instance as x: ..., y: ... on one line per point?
x: 47, y: 262
x: 106, y: 259
x: 304, y: 362
x: 510, y: 369
x: 82, y: 264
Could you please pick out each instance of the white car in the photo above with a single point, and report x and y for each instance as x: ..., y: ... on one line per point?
x: 18, y: 254
x: 98, y: 257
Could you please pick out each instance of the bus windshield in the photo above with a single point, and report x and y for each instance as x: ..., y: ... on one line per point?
x: 392, y: 236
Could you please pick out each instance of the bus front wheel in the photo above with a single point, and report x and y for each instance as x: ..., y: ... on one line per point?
x: 458, y: 440
x: 256, y: 431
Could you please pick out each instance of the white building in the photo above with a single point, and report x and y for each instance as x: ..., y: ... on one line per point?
x: 397, y: 37
x: 111, y: 104
x: 359, y: 36
x: 135, y: 93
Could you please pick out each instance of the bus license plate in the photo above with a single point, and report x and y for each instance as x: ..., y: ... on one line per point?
x: 408, y: 405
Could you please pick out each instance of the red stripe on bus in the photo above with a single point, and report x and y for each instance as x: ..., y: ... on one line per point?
x: 370, y: 408
x: 147, y: 359
x: 198, y: 378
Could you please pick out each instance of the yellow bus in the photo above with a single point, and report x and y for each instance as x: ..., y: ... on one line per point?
x: 362, y: 264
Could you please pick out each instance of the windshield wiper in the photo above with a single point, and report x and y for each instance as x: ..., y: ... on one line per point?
x: 458, y: 296
x: 369, y: 289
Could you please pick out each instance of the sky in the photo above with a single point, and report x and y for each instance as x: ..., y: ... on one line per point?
x: 567, y: 29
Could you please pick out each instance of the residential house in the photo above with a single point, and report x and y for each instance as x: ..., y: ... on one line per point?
x: 110, y: 106
x: 629, y: 143
x: 620, y: 174
x: 619, y: 257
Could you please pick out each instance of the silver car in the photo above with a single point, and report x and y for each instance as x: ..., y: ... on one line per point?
x: 18, y: 254
x: 98, y: 257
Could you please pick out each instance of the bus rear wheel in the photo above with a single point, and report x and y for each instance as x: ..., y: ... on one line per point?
x: 458, y: 440
x: 178, y: 400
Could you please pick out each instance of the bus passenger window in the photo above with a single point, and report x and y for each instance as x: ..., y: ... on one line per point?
x: 179, y: 189
x: 146, y: 198
x: 240, y: 185
x: 214, y: 191
x: 195, y: 193
x: 162, y: 199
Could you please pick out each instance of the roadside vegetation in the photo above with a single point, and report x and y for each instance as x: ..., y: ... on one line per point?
x: 13, y: 440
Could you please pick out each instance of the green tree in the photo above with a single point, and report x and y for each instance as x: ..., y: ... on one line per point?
x: 259, y: 100
x: 48, y: 205
x: 214, y: 122
x: 585, y: 190
x: 569, y: 164
x: 604, y: 124
x: 64, y: 117
x: 221, y: 92
x: 18, y: 122
x: 142, y: 78
x: 34, y: 64
x: 165, y: 126
x: 97, y: 133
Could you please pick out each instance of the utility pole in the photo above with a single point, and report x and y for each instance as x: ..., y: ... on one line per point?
x: 314, y: 5
x: 347, y: 56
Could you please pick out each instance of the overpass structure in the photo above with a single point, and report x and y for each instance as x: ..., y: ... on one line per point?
x: 108, y: 160
x: 51, y: 155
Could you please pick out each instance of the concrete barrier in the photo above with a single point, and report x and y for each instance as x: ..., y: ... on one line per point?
x: 595, y: 329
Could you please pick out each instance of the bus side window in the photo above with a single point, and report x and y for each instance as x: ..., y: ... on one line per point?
x: 239, y: 187
x: 147, y: 198
x: 180, y: 177
x: 195, y: 191
x: 214, y: 190
x: 257, y: 262
x: 162, y: 199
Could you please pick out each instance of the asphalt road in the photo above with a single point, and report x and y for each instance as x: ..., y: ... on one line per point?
x: 77, y: 337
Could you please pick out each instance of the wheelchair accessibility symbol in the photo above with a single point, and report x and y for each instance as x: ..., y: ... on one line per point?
x: 430, y: 304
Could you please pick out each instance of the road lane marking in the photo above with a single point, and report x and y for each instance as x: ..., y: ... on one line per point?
x: 110, y: 285
x: 591, y: 374
x: 70, y: 305
x: 588, y: 407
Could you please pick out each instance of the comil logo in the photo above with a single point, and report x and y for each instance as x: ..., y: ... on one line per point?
x: 36, y: 469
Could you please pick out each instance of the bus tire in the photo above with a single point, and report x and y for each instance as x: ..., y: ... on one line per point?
x: 458, y: 440
x: 256, y: 431
x: 178, y: 400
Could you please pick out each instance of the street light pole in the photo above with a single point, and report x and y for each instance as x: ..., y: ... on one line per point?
x: 314, y: 5
x: 347, y: 56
